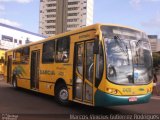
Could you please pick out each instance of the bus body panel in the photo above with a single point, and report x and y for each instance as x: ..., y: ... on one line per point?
x: 104, y: 99
x: 126, y: 89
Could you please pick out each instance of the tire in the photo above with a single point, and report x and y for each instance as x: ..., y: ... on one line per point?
x: 14, y: 82
x: 62, y: 94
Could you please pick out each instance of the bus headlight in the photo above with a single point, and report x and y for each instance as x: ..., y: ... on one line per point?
x: 149, y: 90
x: 112, y: 91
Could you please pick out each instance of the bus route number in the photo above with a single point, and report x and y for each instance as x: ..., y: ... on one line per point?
x: 127, y: 90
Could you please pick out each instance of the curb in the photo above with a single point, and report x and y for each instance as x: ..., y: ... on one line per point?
x: 155, y: 97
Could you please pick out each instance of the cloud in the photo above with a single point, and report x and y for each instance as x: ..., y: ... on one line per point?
x: 2, y: 9
x: 137, y: 3
x: 9, y: 22
x: 153, y: 22
x: 152, y: 0
x: 18, y: 1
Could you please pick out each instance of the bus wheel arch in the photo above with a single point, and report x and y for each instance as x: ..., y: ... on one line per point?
x: 61, y: 92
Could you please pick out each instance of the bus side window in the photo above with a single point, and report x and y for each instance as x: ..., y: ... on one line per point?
x: 18, y: 54
x: 62, y: 50
x: 25, y: 55
x: 5, y: 61
x: 48, y: 52
x: 2, y: 59
x: 89, y: 61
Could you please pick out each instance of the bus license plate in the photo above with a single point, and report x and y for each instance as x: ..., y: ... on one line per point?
x: 132, y: 99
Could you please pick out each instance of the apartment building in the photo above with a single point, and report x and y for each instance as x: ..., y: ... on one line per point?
x: 158, y: 46
x: 154, y: 42
x: 58, y: 16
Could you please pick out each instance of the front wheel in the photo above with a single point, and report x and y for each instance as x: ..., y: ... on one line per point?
x: 62, y: 94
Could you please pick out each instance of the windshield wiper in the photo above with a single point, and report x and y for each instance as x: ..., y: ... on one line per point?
x: 117, y: 39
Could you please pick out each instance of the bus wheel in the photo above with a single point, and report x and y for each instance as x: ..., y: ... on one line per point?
x: 62, y: 94
x: 14, y: 83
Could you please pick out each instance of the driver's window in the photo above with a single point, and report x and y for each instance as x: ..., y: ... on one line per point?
x: 89, y: 61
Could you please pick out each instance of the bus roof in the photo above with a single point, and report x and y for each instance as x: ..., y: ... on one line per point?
x: 94, y: 26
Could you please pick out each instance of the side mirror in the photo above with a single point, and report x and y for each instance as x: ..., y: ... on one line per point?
x: 96, y: 46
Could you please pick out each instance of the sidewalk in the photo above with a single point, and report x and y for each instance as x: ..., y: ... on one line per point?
x: 157, y: 92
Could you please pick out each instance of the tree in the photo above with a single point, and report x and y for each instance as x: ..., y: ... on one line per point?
x: 156, y: 60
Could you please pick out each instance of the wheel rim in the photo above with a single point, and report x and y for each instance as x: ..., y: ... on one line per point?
x: 63, y: 94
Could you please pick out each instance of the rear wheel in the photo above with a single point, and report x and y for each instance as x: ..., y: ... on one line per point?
x: 62, y: 94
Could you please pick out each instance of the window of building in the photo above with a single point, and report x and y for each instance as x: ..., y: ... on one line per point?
x: 72, y: 25
x: 50, y: 5
x: 72, y: 14
x: 73, y: 3
x: 72, y: 8
x: 20, y: 41
x: 62, y: 50
x: 15, y: 40
x: 48, y: 52
x: 50, y: 32
x: 50, y: 21
x: 50, y: 16
x: 51, y: 10
x: 7, y: 38
x: 50, y: 27
x: 51, y: 0
x: 72, y: 20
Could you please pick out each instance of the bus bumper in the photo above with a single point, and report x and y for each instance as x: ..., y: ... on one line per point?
x: 104, y: 99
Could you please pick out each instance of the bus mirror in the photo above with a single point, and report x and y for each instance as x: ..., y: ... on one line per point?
x: 96, y: 46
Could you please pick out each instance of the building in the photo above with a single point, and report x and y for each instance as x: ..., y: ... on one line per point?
x: 11, y: 37
x: 158, y: 46
x: 154, y: 42
x: 58, y: 16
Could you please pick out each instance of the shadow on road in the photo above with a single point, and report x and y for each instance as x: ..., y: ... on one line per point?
x: 73, y: 107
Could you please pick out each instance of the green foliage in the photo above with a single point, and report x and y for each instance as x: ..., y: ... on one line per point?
x: 156, y: 60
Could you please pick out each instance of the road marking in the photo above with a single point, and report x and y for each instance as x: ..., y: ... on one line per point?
x: 156, y: 97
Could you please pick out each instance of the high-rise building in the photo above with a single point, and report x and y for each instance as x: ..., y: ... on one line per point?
x: 58, y: 16
x: 153, y: 39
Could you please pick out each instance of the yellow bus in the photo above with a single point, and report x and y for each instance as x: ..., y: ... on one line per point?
x: 98, y: 65
x: 2, y: 54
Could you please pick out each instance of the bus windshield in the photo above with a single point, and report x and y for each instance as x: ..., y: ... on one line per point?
x: 129, y: 59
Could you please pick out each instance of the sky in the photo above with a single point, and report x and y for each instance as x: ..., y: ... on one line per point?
x: 141, y: 14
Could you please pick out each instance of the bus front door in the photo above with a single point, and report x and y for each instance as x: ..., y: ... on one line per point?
x: 35, y: 58
x: 84, y: 72
x: 9, y: 69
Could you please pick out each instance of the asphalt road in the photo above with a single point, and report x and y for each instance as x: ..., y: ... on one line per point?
x: 26, y: 105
